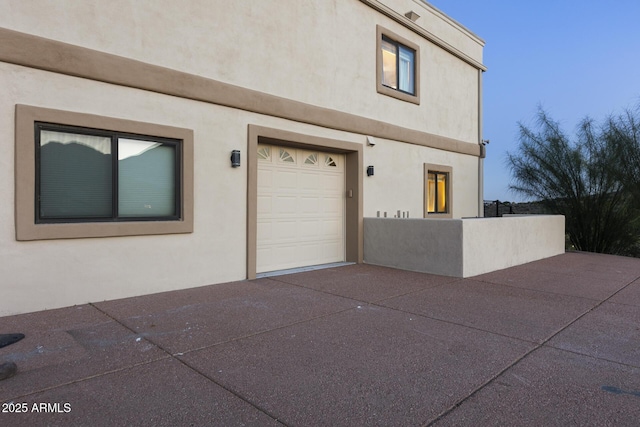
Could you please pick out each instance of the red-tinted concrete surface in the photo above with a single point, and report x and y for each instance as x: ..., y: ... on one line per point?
x: 554, y: 342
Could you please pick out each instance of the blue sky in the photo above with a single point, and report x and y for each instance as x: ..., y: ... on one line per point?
x: 574, y: 58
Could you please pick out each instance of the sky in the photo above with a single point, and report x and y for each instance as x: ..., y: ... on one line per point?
x: 573, y: 58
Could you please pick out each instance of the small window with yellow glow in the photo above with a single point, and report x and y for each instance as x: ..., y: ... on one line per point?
x: 437, y: 186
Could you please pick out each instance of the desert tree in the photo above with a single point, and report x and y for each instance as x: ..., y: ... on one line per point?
x: 579, y: 178
x: 623, y: 137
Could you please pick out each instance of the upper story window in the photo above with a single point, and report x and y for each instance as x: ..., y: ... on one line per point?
x: 398, y: 67
x: 96, y: 175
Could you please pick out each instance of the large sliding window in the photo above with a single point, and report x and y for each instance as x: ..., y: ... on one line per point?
x: 82, y: 175
x: 96, y: 175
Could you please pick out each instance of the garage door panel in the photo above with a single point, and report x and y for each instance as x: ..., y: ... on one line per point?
x: 331, y: 229
x: 309, y: 181
x: 331, y: 248
x: 300, y: 209
x: 285, y: 205
x: 309, y: 204
x: 285, y: 180
x: 284, y: 252
x: 265, y: 258
x: 331, y: 182
x: 332, y: 205
x: 265, y: 205
x: 308, y: 253
x: 285, y: 230
x: 310, y: 229
x: 265, y: 179
x: 265, y: 232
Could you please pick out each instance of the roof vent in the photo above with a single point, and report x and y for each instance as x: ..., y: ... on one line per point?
x: 412, y: 15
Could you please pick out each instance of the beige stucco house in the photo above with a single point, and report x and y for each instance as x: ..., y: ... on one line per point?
x: 152, y: 146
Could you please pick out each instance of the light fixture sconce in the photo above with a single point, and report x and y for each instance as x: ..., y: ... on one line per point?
x: 369, y: 170
x: 235, y: 158
x: 370, y: 141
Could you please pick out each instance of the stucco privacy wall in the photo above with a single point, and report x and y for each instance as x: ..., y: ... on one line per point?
x: 320, y: 53
x: 495, y: 243
x: 424, y: 245
x: 462, y: 247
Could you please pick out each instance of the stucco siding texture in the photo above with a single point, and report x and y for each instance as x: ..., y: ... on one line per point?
x: 399, y: 173
x: 496, y: 243
x: 462, y: 247
x: 283, y: 62
x: 59, y: 273
x: 415, y: 245
x: 317, y: 53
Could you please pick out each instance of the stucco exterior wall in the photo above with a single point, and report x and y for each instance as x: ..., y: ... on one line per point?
x: 462, y: 247
x: 398, y: 182
x: 441, y: 25
x: 54, y: 273
x: 322, y: 53
x: 293, y: 49
x: 47, y: 274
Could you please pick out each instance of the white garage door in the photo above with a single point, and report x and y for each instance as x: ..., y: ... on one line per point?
x: 300, y: 208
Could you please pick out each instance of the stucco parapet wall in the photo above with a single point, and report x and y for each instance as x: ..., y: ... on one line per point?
x: 50, y: 55
x: 462, y: 247
x: 435, y: 26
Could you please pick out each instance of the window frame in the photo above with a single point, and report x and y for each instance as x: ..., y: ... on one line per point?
x: 28, y: 225
x: 438, y: 169
x: 114, y: 137
x: 385, y: 35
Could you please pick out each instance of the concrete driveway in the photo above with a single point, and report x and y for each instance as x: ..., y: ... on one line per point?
x: 554, y: 342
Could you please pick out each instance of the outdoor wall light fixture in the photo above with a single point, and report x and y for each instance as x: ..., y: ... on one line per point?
x: 235, y: 158
x: 369, y: 170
